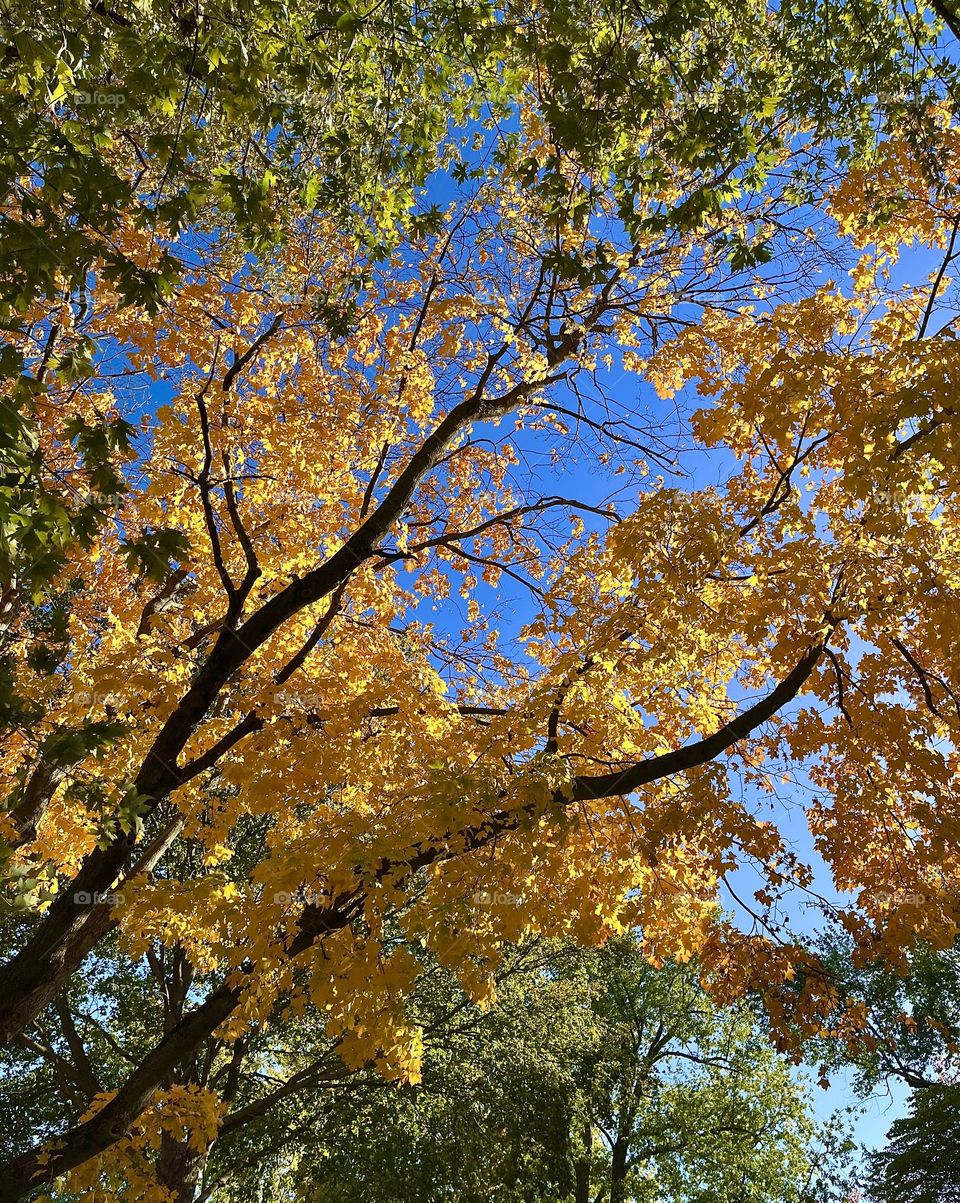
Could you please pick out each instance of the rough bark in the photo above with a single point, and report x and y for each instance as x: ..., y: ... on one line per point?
x: 179, y: 1168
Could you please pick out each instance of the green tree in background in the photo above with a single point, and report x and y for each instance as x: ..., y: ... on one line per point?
x: 595, y: 1077
x: 920, y: 1162
x: 910, y: 1034
x: 911, y: 1016
x: 592, y: 1077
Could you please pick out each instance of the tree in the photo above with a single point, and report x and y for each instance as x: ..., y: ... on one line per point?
x: 602, y: 1079
x: 909, y: 1024
x: 906, y: 1028
x: 183, y: 126
x: 274, y: 1088
x: 591, y: 1075
x: 270, y: 685
x: 606, y: 1080
x: 210, y: 123
x: 919, y: 1162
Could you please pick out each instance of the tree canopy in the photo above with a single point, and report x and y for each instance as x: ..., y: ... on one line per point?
x: 592, y: 1077
x: 908, y: 1034
x: 919, y: 1162
x: 473, y: 474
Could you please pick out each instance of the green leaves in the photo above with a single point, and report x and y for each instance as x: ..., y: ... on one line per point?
x: 25, y: 890
x: 742, y: 254
x: 514, y: 1102
x: 151, y: 553
x: 921, y: 1161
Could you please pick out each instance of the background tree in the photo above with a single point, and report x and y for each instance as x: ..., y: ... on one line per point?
x: 598, y: 1078
x: 918, y: 1164
x: 907, y: 1031
x: 592, y: 1076
x: 911, y: 1014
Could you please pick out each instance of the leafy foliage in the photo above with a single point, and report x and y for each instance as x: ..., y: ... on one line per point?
x: 393, y: 612
x: 919, y: 1163
x: 909, y: 1015
x: 592, y: 1074
x: 601, y: 1078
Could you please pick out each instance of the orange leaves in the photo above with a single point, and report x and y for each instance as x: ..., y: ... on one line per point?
x: 510, y: 603
x: 892, y: 201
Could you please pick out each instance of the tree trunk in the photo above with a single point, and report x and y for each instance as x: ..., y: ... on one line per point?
x: 179, y: 1168
x: 582, y: 1165
x: 618, y: 1170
